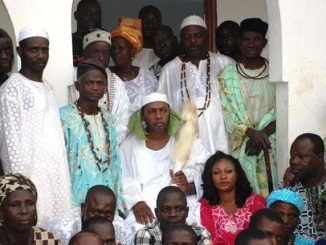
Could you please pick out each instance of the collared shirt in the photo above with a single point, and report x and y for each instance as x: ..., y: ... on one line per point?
x: 153, y: 235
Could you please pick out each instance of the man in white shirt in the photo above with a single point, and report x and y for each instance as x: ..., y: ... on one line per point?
x: 31, y: 136
x: 193, y: 76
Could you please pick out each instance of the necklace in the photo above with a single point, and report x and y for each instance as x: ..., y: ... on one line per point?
x: 257, y: 77
x: 183, y: 84
x: 90, y: 139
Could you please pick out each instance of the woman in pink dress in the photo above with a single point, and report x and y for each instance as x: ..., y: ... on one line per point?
x: 228, y: 201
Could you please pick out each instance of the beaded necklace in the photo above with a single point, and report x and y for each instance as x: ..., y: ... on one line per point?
x: 257, y: 77
x: 90, y: 139
x: 183, y: 84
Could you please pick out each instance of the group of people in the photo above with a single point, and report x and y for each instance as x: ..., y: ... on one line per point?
x: 172, y: 144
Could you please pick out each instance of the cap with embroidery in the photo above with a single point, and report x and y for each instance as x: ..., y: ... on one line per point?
x: 96, y: 36
x: 32, y: 31
x: 193, y: 20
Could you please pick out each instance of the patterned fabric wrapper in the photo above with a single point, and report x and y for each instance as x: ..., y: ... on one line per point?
x: 13, y: 182
x: 130, y: 29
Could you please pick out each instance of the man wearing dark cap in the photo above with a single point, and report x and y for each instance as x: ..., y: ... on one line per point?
x: 248, y: 100
x: 227, y: 39
x: 90, y: 135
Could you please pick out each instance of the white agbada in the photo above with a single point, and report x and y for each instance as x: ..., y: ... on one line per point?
x: 145, y: 172
x: 211, y: 125
x: 119, y: 105
x: 144, y: 84
x: 32, y: 143
x: 146, y: 58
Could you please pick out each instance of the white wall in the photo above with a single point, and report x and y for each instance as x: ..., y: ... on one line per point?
x: 298, y: 65
x: 56, y: 17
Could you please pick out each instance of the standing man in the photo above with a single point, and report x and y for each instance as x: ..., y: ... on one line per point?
x: 96, y: 46
x: 90, y: 135
x: 31, y: 136
x: 308, y: 166
x: 165, y: 46
x: 88, y: 16
x: 193, y: 76
x: 248, y: 101
x: 151, y: 18
x: 227, y: 39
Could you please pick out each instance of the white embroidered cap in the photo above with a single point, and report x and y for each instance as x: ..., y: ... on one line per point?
x: 32, y: 31
x: 153, y: 97
x: 96, y: 36
x: 193, y: 20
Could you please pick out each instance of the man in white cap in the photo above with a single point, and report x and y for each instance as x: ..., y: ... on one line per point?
x: 31, y: 136
x: 149, y: 153
x: 193, y: 76
x: 96, y: 46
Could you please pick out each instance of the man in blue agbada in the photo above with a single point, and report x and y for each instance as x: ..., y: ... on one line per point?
x: 90, y: 135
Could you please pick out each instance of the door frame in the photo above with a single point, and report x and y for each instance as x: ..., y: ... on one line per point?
x: 210, y: 13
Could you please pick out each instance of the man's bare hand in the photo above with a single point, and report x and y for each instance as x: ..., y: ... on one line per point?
x: 143, y: 213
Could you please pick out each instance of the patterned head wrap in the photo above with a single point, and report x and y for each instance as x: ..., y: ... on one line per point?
x: 286, y: 196
x: 130, y: 29
x: 13, y: 182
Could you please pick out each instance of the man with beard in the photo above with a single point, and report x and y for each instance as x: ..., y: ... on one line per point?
x: 151, y: 18
x: 88, y: 16
x: 193, y: 76
x: 31, y: 136
x: 171, y: 208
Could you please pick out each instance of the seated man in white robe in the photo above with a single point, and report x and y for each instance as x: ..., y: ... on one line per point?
x: 150, y: 152
x: 96, y: 45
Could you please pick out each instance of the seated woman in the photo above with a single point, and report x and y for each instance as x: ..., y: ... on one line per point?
x: 127, y: 41
x: 289, y: 205
x: 18, y: 198
x: 228, y: 201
